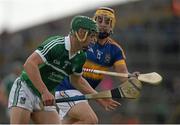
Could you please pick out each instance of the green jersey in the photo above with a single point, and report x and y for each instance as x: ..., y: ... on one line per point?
x: 58, y: 62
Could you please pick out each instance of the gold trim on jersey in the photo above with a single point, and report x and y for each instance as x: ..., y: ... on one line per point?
x: 112, y: 41
x: 120, y: 62
x: 91, y: 65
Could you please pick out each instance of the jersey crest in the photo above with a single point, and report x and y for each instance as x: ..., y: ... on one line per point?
x: 107, y: 58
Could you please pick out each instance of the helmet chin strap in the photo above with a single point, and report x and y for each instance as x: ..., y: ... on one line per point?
x: 83, y: 39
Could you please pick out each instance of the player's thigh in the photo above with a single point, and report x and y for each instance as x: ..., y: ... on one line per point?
x: 64, y: 107
x: 19, y: 115
x: 19, y: 103
x: 82, y: 111
x: 45, y: 117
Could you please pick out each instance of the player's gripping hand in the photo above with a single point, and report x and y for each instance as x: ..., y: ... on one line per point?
x: 108, y: 104
x: 47, y: 98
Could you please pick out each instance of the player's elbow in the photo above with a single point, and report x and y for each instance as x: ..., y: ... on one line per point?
x: 29, y: 65
x: 25, y: 65
x: 92, y: 119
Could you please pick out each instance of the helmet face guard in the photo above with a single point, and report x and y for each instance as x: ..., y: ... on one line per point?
x: 106, y: 17
x: 85, y: 23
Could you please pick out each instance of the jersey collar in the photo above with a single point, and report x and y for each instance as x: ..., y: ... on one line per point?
x: 67, y: 43
x: 68, y: 46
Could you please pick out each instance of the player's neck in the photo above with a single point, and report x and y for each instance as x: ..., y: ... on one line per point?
x: 102, y: 41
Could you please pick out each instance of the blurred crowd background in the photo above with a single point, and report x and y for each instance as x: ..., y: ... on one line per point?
x: 148, y: 31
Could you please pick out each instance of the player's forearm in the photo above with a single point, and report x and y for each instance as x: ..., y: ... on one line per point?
x: 86, y: 88
x: 33, y: 73
x: 122, y: 79
x: 121, y: 69
x: 82, y: 85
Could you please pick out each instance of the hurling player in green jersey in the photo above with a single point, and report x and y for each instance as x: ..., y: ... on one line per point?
x: 31, y: 96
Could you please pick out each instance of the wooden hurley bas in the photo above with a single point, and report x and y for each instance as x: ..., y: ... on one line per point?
x: 129, y: 89
x: 151, y: 78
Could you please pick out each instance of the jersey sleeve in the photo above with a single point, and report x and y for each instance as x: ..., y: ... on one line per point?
x: 118, y: 54
x: 48, y: 48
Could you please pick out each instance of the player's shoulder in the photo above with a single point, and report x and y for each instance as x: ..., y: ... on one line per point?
x: 55, y: 38
x: 114, y: 43
x: 52, y: 42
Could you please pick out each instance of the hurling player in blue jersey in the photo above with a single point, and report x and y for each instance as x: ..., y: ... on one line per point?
x: 102, y: 55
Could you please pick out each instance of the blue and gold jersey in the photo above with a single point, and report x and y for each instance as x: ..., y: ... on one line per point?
x: 99, y: 57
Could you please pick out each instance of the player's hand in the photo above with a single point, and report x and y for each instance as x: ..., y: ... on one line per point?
x: 108, y: 104
x: 47, y: 98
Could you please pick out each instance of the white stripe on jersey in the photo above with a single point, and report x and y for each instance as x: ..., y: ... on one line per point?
x: 56, y: 68
x: 50, y: 48
x: 53, y: 41
x: 43, y: 58
x: 47, y: 46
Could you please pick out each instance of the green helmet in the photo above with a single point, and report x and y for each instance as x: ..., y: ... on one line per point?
x: 83, y: 22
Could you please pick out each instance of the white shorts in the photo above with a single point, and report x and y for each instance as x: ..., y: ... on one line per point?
x: 23, y: 96
x: 64, y: 107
